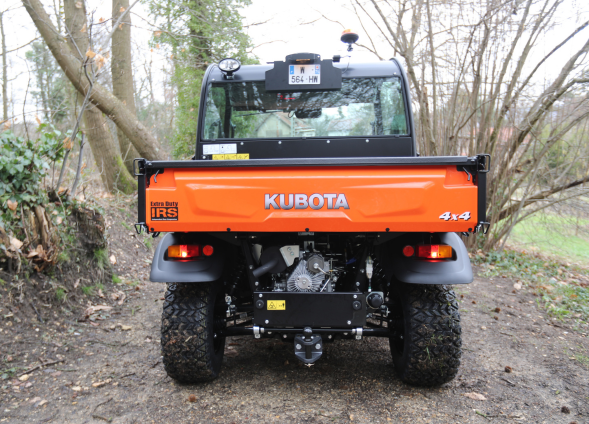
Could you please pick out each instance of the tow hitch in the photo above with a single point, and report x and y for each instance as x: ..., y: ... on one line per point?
x: 308, y: 346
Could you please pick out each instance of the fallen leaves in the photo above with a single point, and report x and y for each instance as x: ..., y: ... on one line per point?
x: 231, y: 352
x: 39, y: 252
x: 90, y: 54
x: 15, y: 244
x: 100, y: 61
x: 67, y: 143
x: 12, y: 204
x: 113, y: 259
x: 118, y: 295
x: 517, y: 286
x: 91, y: 310
x: 101, y: 383
x: 474, y: 396
x: 24, y: 377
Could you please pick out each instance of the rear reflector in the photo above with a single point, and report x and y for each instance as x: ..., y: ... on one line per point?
x: 434, y: 251
x: 408, y: 251
x: 184, y: 251
x: 207, y: 250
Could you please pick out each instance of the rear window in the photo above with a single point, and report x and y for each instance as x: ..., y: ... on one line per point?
x: 363, y: 107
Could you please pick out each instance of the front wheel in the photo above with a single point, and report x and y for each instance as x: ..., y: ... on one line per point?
x: 425, y: 336
x: 192, y: 325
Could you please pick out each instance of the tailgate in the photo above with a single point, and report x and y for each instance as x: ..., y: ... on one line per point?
x: 378, y: 195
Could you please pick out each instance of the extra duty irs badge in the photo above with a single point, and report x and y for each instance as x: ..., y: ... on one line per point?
x: 164, y: 211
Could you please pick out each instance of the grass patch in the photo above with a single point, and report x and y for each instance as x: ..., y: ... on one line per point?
x: 134, y: 283
x: 583, y: 359
x: 63, y: 257
x: 148, y: 243
x: 101, y: 257
x: 127, y: 226
x: 562, y: 289
x: 557, y: 235
x: 116, y: 279
x: 60, y: 294
x: 88, y: 290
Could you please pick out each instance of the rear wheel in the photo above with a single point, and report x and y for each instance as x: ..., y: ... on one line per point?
x: 425, y: 335
x: 192, y: 324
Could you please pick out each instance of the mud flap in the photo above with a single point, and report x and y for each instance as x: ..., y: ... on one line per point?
x: 205, y: 270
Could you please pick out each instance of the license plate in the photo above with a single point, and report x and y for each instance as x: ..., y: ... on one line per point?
x: 276, y: 305
x: 304, y: 74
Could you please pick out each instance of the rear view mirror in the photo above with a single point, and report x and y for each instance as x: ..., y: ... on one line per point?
x: 308, y: 113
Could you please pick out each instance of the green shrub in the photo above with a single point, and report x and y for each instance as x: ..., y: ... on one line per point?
x: 23, y: 166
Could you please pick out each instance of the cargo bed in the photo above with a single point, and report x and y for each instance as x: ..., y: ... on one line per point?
x: 407, y: 194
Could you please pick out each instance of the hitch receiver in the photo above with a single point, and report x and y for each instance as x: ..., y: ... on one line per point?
x: 308, y: 346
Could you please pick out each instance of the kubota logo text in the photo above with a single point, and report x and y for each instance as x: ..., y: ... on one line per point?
x: 302, y: 201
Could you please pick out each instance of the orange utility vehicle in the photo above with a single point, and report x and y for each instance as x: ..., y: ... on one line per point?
x: 307, y: 215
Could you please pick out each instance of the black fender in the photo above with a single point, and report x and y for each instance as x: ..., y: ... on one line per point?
x: 204, y: 270
x: 417, y: 271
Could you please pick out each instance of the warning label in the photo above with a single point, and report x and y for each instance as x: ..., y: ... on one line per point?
x: 164, y: 211
x: 276, y: 305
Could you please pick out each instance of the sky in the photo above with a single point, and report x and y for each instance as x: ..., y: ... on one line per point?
x: 288, y: 27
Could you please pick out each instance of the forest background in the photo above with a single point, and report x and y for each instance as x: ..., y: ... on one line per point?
x: 508, y: 78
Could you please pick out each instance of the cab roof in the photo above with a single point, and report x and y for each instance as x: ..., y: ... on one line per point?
x: 352, y: 70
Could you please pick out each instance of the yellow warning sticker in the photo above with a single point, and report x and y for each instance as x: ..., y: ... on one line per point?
x: 277, y: 305
x: 232, y: 156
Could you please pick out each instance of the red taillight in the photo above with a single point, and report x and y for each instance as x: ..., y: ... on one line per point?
x: 434, y: 251
x: 207, y: 250
x: 408, y: 251
x: 184, y: 251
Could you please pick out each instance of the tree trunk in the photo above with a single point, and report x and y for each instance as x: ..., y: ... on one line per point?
x: 4, y: 72
x: 122, y: 75
x: 108, y: 160
x: 71, y: 63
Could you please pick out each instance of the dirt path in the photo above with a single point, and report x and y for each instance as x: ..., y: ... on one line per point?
x: 262, y: 382
x: 112, y: 372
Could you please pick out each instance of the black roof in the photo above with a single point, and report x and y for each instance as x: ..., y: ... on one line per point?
x: 352, y: 70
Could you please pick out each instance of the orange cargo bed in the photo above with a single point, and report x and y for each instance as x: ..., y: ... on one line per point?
x: 407, y: 195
